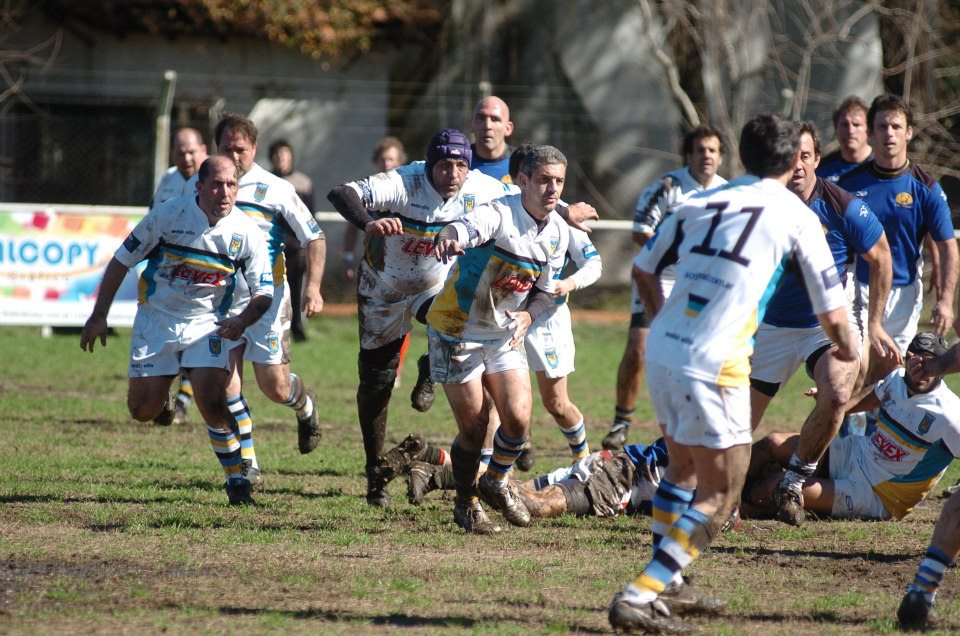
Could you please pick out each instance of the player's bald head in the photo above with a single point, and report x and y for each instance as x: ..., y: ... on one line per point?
x: 187, y: 136
x: 493, y: 102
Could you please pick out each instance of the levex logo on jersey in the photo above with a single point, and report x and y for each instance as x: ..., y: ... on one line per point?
x: 904, y: 199
x: 261, y: 192
x: 236, y: 242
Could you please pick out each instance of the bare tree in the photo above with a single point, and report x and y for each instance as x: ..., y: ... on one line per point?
x: 17, y: 59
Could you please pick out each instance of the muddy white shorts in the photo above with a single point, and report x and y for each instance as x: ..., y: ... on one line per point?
x: 902, y: 313
x: 456, y: 361
x: 698, y: 413
x: 386, y: 314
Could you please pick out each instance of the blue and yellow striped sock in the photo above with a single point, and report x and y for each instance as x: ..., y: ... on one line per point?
x: 681, y: 545
x: 930, y: 573
x: 226, y: 446
x: 185, y: 394
x: 577, y: 439
x: 505, y: 452
x: 241, y: 414
x: 669, y: 503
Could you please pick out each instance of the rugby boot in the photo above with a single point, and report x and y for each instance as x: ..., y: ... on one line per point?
x: 525, y: 459
x: 308, y: 429
x: 734, y: 522
x: 789, y: 505
x: 398, y: 459
x: 683, y: 598
x: 615, y: 438
x: 915, y: 613
x: 652, y: 617
x: 499, y: 494
x: 167, y: 416
x: 424, y: 478
x: 469, y: 515
x: 239, y: 493
x: 377, y: 494
x: 424, y: 392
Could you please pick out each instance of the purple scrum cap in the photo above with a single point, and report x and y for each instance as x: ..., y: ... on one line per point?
x: 449, y: 143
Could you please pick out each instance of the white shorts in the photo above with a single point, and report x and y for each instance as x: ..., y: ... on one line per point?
x: 698, y: 413
x: 902, y: 313
x: 549, y: 343
x: 267, y: 341
x: 853, y: 496
x: 160, y: 345
x: 455, y: 361
x: 386, y: 314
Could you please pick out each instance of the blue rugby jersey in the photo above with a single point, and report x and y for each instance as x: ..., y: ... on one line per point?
x: 909, y: 204
x: 834, y: 166
x: 850, y: 228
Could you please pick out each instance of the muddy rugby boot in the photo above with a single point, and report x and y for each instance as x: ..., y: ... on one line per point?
x: 239, y: 493
x: 470, y: 516
x: 398, y: 459
x: 915, y: 613
x: 652, y: 617
x: 308, y: 430
x: 789, y: 504
x: 683, y: 598
x: 424, y: 391
x: 615, y: 438
x: 499, y: 494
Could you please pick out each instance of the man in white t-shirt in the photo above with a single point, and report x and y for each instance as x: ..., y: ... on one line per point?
x: 730, y: 246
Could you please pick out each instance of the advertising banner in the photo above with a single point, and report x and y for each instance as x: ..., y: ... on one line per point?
x: 52, y: 258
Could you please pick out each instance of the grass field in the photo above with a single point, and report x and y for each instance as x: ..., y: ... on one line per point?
x: 113, y: 526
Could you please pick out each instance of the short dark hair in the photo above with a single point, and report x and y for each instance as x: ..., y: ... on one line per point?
x: 541, y: 156
x: 278, y: 144
x: 700, y: 132
x: 237, y: 123
x: 387, y: 143
x: 888, y: 102
x: 851, y: 102
x: 811, y: 129
x: 768, y: 144
x: 205, y: 167
x: 518, y: 154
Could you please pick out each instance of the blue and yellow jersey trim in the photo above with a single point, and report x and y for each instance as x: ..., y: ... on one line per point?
x: 275, y: 236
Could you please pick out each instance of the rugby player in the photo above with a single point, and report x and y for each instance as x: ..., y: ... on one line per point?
x: 702, y: 157
x: 790, y: 334
x: 491, y: 125
x: 510, y: 255
x: 272, y: 203
x: 196, y: 249
x: 850, y: 128
x: 729, y: 245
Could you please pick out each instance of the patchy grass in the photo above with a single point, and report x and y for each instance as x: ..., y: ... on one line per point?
x: 114, y: 526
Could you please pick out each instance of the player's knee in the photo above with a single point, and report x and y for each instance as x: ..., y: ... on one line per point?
x: 557, y: 405
x: 833, y: 400
x: 141, y: 411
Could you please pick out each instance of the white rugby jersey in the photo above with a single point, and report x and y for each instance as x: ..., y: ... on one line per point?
x: 916, y: 439
x: 172, y: 184
x: 731, y: 246
x: 192, y: 266
x: 404, y: 261
x: 659, y: 198
x: 274, y: 205
x: 507, y: 253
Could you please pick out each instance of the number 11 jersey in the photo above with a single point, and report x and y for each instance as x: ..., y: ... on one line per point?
x: 731, y: 246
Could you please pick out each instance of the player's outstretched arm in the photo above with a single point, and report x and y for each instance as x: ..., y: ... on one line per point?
x: 316, y: 260
x: 577, y: 214
x: 96, y: 325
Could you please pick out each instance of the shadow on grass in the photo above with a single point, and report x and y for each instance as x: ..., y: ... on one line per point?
x: 396, y: 620
x: 840, y: 556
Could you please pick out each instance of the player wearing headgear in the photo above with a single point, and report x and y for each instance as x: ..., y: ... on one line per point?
x: 883, y: 475
x: 401, y: 212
